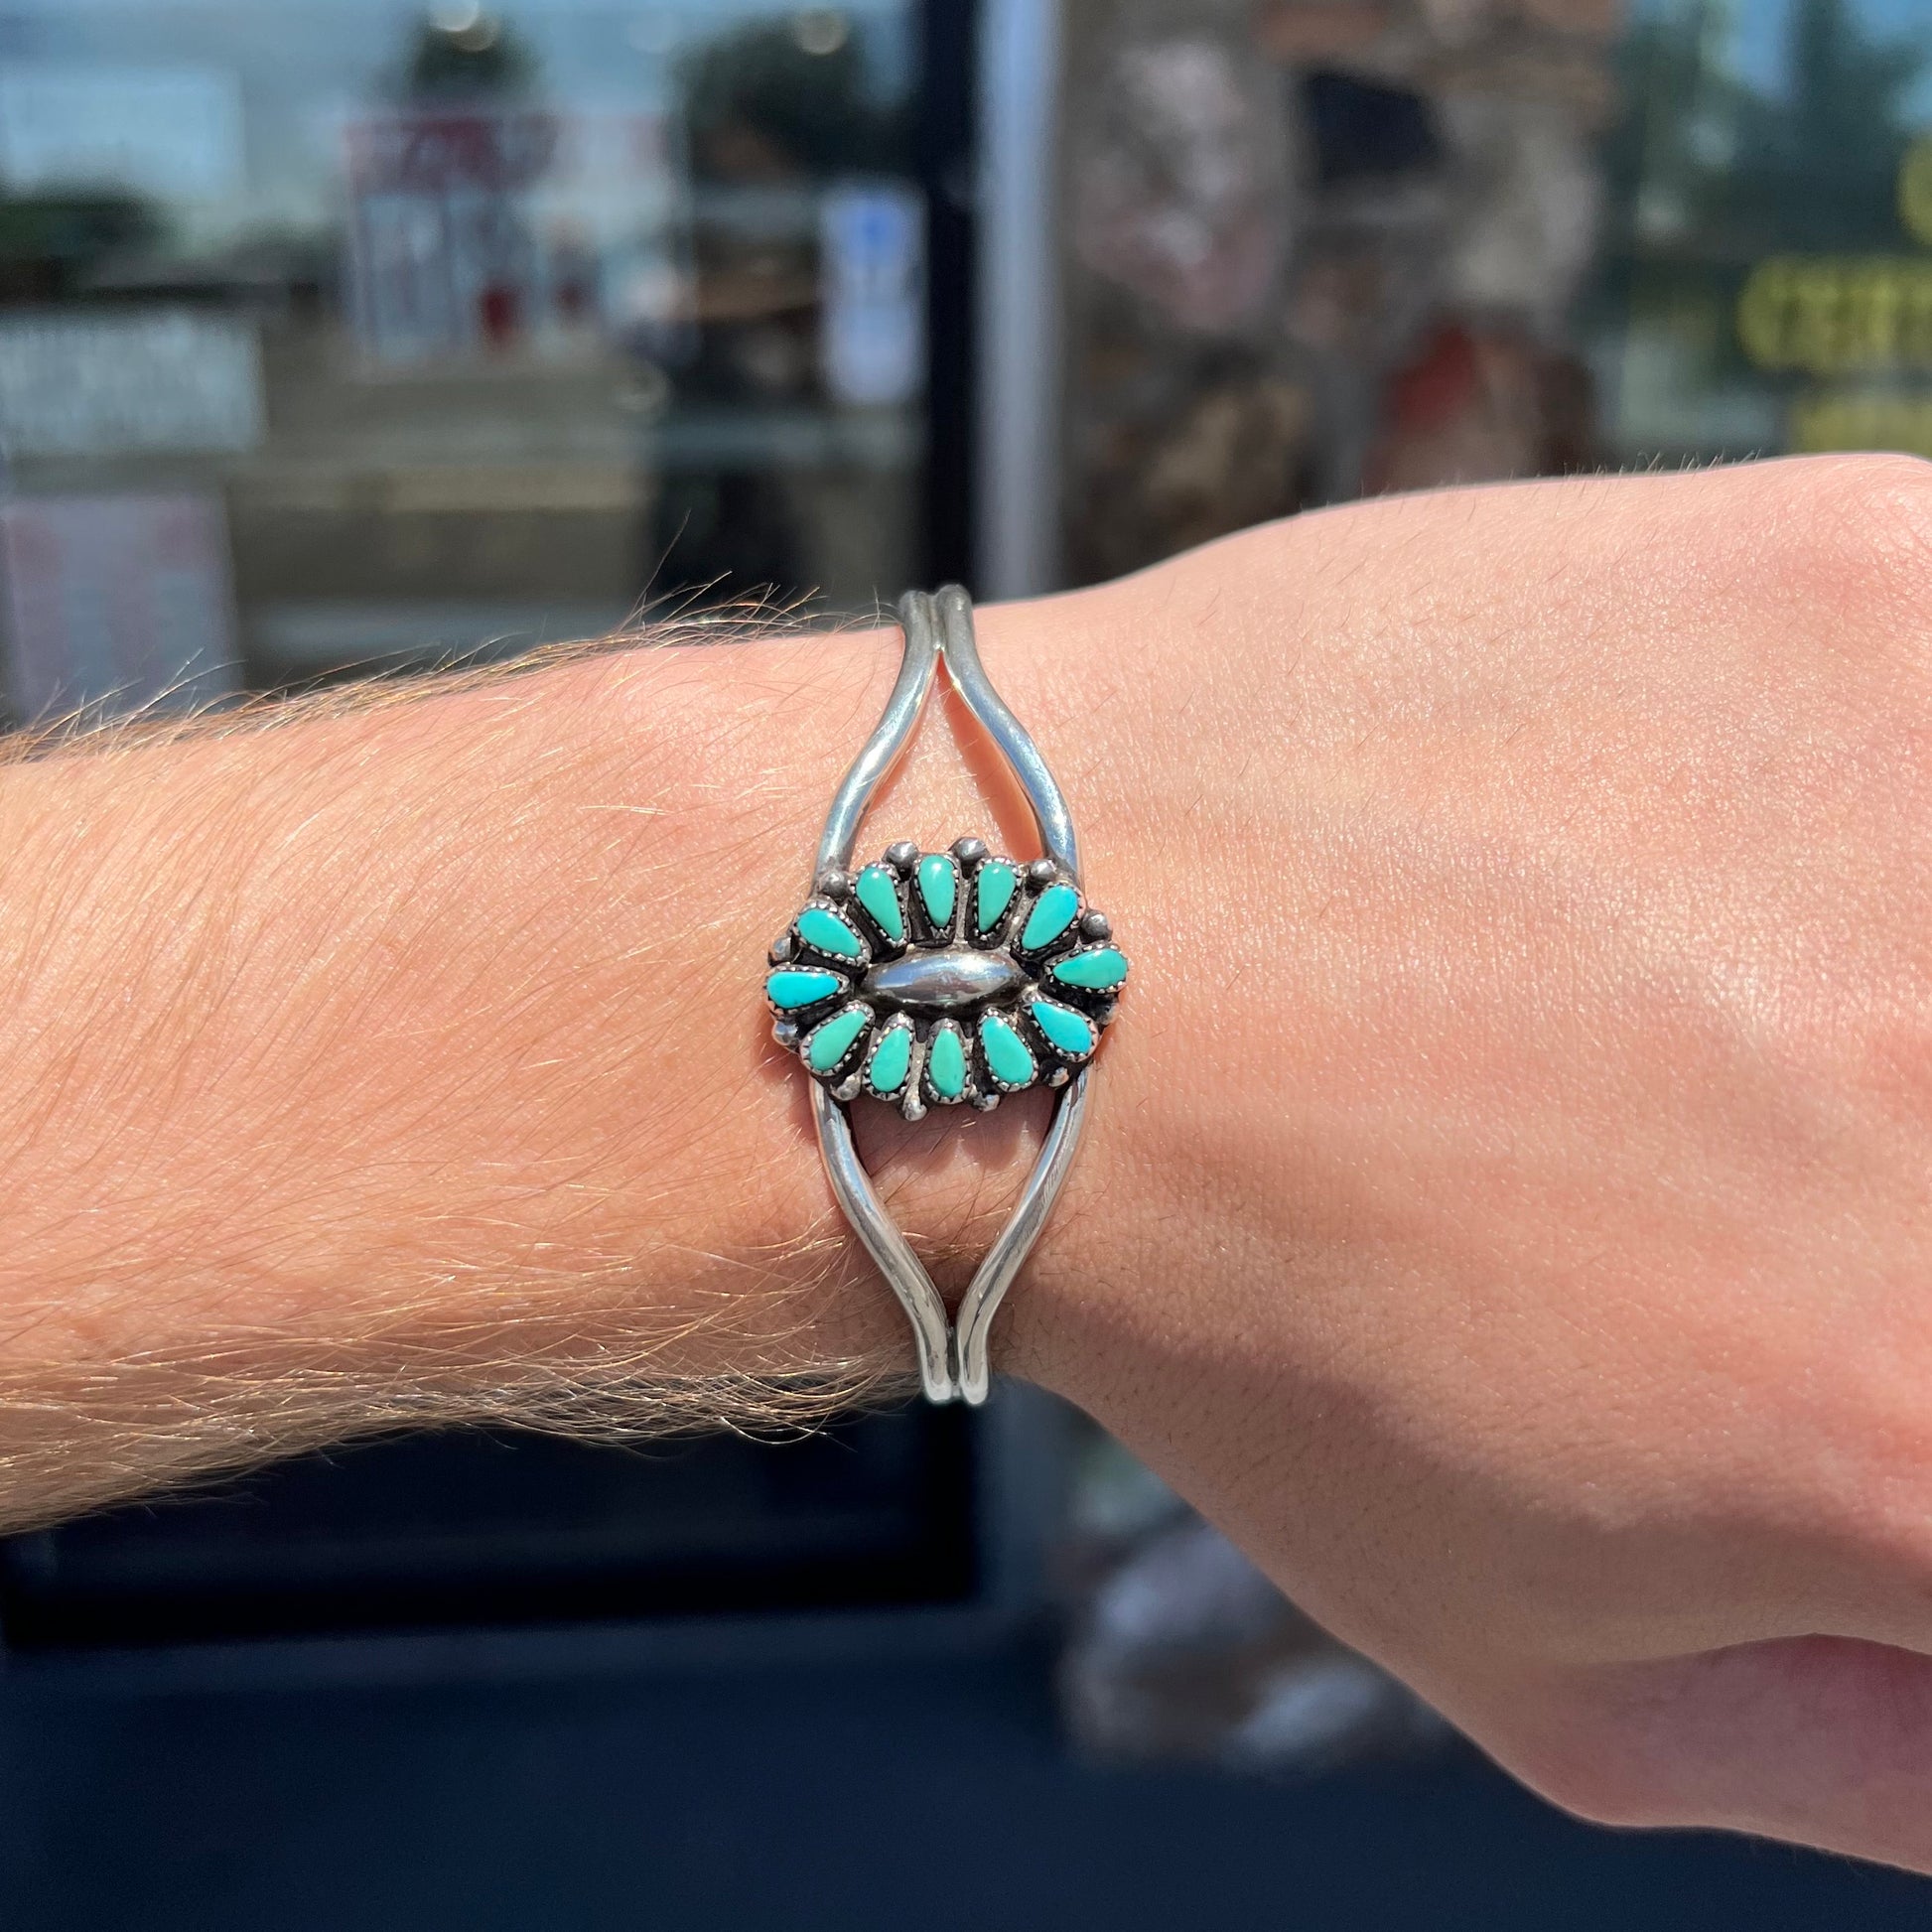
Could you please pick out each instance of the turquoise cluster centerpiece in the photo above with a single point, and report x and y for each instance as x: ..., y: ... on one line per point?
x: 944, y: 978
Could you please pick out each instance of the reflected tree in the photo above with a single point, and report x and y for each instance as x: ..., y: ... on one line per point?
x: 468, y: 56
x: 772, y: 102
x: 1817, y: 167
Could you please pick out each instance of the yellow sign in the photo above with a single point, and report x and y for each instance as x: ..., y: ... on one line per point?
x: 1915, y: 189
x: 1833, y: 314
x: 1843, y: 315
x: 1832, y: 420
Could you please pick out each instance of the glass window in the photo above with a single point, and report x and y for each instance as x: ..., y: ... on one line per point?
x: 1768, y: 284
x: 347, y: 334
x: 1321, y: 248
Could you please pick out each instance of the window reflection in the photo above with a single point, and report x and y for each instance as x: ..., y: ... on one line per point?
x: 355, y: 333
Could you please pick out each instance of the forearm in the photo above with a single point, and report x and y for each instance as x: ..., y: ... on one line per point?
x: 406, y: 1059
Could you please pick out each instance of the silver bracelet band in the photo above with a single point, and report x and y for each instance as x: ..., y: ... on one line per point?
x: 943, y: 979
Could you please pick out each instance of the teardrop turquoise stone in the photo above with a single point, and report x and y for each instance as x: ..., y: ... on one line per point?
x: 945, y: 1063
x: 829, y: 933
x: 878, y: 890
x: 1104, y: 967
x: 1007, y: 1057
x: 792, y: 987
x: 993, y: 893
x: 890, y: 1059
x: 1053, y: 911
x: 1072, y: 1032
x: 938, y: 886
x: 829, y: 1044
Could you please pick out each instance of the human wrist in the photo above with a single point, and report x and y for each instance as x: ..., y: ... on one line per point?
x: 951, y: 1179
x: 950, y: 1182
x: 422, y: 1035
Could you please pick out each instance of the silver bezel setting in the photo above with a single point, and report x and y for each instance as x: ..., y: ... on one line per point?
x: 793, y: 1027
x: 972, y: 973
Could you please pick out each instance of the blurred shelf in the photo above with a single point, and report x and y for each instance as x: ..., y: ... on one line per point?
x: 784, y: 439
x: 775, y: 214
x: 397, y: 489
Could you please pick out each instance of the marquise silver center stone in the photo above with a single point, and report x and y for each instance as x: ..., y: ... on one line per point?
x: 951, y: 981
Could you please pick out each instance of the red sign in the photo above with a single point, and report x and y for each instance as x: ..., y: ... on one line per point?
x: 415, y: 151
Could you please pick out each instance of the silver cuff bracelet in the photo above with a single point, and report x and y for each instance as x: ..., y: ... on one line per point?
x: 931, y: 979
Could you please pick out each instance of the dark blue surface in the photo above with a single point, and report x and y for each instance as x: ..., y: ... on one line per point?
x: 799, y: 1798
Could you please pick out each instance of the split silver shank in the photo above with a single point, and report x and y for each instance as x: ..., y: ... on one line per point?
x: 952, y: 1359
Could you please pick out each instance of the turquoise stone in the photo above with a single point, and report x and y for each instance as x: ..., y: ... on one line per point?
x: 945, y: 1063
x: 891, y: 1058
x: 878, y: 890
x: 1102, y: 968
x: 1007, y: 1057
x: 993, y: 889
x: 827, y: 933
x: 940, y: 887
x: 828, y: 1045
x: 1053, y: 911
x: 1071, y: 1033
x: 792, y: 987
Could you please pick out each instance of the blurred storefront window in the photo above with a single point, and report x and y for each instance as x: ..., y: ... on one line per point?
x: 356, y: 334
x: 1321, y: 248
x: 1770, y: 282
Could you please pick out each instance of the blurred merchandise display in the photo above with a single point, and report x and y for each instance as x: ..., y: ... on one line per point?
x: 1319, y: 247
x: 796, y: 416
x: 1181, y: 1648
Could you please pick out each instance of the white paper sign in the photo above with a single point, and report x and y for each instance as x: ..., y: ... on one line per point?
x: 170, y: 379
x: 871, y: 248
x: 115, y: 603
x: 166, y: 133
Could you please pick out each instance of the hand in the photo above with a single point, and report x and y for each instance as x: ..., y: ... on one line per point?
x: 1507, y: 1207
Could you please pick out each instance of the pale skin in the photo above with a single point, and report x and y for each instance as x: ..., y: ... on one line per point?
x: 1517, y: 1234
